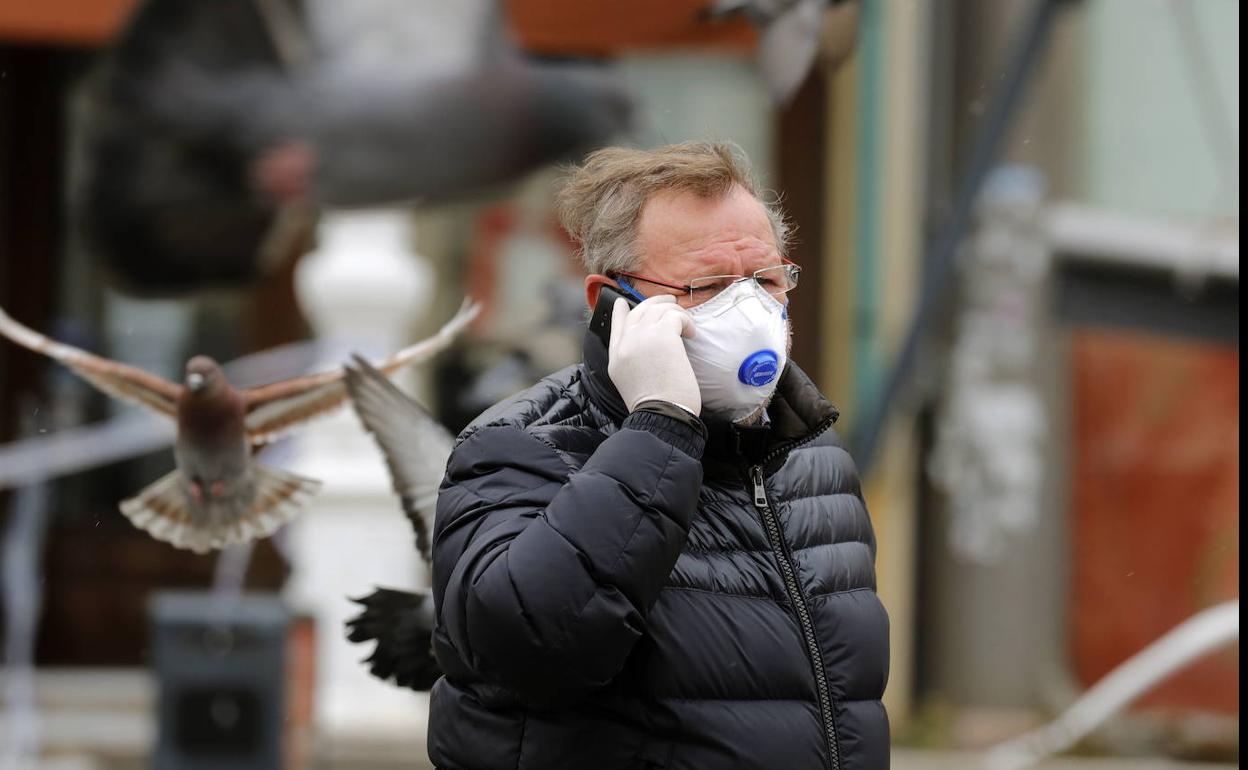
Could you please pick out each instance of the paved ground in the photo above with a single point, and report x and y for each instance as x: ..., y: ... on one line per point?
x: 939, y: 760
x: 380, y: 759
x: 104, y: 721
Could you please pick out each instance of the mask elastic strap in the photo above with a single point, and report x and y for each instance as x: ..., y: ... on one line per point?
x: 627, y: 287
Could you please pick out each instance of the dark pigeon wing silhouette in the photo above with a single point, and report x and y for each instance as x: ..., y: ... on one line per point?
x: 416, y: 447
x: 416, y: 450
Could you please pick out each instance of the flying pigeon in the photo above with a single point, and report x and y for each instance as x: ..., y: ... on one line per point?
x: 416, y: 448
x: 218, y: 495
x: 219, y: 129
x: 791, y: 34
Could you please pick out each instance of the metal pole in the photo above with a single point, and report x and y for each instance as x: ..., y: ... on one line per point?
x: 984, y: 153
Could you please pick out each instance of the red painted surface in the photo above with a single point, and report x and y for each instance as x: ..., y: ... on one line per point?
x: 579, y: 27
x: 300, y: 693
x: 62, y: 22
x: 1155, y: 504
x: 568, y: 27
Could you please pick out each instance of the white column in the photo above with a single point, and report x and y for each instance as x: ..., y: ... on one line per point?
x: 362, y: 289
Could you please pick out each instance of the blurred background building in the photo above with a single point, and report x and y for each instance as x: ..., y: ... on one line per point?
x: 1054, y: 487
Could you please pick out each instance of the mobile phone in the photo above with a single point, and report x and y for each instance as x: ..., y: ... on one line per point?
x: 600, y: 321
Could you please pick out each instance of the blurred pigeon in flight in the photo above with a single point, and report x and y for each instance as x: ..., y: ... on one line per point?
x: 218, y: 495
x: 789, y: 43
x: 216, y: 129
x: 416, y: 448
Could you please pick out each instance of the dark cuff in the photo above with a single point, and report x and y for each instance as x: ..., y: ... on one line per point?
x: 670, y: 423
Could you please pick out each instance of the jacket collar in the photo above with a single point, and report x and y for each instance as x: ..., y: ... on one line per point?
x: 798, y: 410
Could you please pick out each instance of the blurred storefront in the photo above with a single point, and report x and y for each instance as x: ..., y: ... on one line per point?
x: 1129, y: 136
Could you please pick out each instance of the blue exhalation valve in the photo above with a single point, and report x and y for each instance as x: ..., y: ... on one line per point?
x: 759, y: 368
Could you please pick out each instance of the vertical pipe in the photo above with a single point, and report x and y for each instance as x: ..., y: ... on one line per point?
x: 1023, y: 61
x: 21, y: 593
x: 866, y: 228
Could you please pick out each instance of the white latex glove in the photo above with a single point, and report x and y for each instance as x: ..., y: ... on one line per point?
x: 647, y: 358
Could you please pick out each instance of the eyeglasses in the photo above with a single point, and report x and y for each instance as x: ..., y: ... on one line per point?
x: 776, y: 281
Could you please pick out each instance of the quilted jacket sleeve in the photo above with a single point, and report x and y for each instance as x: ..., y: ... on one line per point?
x: 543, y: 576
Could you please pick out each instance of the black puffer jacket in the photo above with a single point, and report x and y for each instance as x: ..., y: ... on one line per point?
x: 605, y: 600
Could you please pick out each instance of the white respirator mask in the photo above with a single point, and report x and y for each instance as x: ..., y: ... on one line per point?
x: 739, y: 350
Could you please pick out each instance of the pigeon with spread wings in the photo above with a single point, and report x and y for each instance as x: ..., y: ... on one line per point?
x: 218, y: 495
x: 416, y: 448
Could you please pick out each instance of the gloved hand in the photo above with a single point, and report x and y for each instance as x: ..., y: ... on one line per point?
x: 647, y: 357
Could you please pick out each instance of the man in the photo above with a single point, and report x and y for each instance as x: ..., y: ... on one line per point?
x: 660, y: 558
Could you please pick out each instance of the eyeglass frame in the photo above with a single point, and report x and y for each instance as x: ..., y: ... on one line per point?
x: 688, y: 289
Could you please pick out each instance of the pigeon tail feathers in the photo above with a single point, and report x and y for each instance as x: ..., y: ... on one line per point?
x: 165, y: 510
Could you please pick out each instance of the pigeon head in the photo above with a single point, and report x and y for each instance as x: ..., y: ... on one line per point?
x: 202, y: 374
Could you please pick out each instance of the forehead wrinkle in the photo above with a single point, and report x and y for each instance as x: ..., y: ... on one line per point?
x: 745, y: 255
x: 739, y: 256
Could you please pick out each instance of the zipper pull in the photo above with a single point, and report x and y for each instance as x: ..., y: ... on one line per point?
x: 760, y: 493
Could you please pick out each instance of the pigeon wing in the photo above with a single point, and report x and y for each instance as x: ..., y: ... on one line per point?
x: 415, y: 445
x: 118, y: 380
x: 788, y: 48
x: 278, y: 407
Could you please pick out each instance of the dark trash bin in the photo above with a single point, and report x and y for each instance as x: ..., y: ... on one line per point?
x: 220, y: 665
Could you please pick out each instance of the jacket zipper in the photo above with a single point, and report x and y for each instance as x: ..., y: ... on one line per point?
x: 788, y: 571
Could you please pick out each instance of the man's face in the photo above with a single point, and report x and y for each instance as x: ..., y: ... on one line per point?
x: 683, y: 236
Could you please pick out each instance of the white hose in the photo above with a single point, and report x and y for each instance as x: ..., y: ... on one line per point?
x: 1191, y: 640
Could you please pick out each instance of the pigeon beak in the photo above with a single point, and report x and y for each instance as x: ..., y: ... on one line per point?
x: 195, y: 381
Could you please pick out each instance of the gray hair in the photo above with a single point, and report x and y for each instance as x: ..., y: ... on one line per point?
x: 601, y: 200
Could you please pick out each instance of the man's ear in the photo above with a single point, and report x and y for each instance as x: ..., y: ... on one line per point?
x: 593, y: 287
